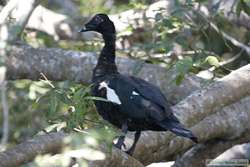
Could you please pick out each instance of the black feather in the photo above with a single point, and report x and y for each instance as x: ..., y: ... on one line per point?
x: 142, y: 106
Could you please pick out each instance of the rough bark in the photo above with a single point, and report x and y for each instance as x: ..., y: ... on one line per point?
x: 211, y: 128
x: 9, y: 32
x: 27, y: 151
x: 54, y: 143
x: 210, y: 149
x: 164, y: 146
x: 25, y: 62
x: 223, y: 92
x: 240, y: 151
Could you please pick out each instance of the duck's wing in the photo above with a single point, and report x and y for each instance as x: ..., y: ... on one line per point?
x: 138, y: 98
x: 150, y: 92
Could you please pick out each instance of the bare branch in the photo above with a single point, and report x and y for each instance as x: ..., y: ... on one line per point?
x: 197, y: 155
x: 208, y: 74
x: 234, y: 41
x: 221, y: 93
x: 25, y: 62
x: 53, y: 143
x: 58, y: 26
x: 63, y: 27
x: 240, y: 151
x: 28, y: 150
x: 19, y: 11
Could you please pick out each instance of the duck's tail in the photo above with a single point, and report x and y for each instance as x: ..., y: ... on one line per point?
x: 173, y: 125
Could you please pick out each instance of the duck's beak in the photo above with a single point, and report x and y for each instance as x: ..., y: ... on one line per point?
x: 84, y: 29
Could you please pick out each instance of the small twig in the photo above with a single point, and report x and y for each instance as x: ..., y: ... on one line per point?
x: 231, y: 59
x: 234, y: 41
x: 223, y: 63
x: 231, y: 39
x: 192, y: 52
x: 45, y: 79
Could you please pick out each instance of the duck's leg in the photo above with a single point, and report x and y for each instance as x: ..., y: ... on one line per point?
x: 121, y: 139
x: 132, y: 148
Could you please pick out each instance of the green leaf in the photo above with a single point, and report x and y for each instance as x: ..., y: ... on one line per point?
x: 179, y: 78
x: 62, y: 96
x: 184, y: 65
x: 53, y: 105
x: 96, y: 98
x: 81, y: 93
x: 213, y: 61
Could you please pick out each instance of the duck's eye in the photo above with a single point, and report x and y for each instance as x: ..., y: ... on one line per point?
x: 99, y: 20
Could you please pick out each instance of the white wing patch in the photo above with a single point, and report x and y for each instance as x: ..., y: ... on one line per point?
x: 135, y: 93
x: 111, y: 95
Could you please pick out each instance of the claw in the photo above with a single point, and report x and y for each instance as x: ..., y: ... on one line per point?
x: 120, y: 145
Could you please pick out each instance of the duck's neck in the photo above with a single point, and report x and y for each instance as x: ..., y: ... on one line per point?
x: 107, y: 55
x: 106, y: 61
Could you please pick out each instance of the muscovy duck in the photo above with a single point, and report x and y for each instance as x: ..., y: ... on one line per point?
x: 133, y: 104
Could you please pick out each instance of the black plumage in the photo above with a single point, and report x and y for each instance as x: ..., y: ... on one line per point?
x: 134, y: 104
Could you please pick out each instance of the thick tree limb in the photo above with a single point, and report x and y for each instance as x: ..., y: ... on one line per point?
x: 53, y: 143
x: 9, y: 32
x: 27, y: 151
x: 25, y: 62
x: 223, y: 92
x: 197, y: 155
x: 240, y: 151
x: 235, y: 113
x: 163, y: 146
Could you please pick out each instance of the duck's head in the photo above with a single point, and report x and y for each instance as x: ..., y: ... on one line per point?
x: 99, y: 23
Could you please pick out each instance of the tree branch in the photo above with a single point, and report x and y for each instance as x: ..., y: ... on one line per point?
x: 198, y: 10
x: 53, y: 143
x: 27, y: 151
x: 25, y: 62
x: 20, y: 11
x: 198, y: 155
x: 63, y: 27
x: 164, y: 146
x: 240, y: 151
x: 223, y: 92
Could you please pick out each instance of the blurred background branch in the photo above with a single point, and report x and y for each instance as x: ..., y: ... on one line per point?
x: 196, y: 51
